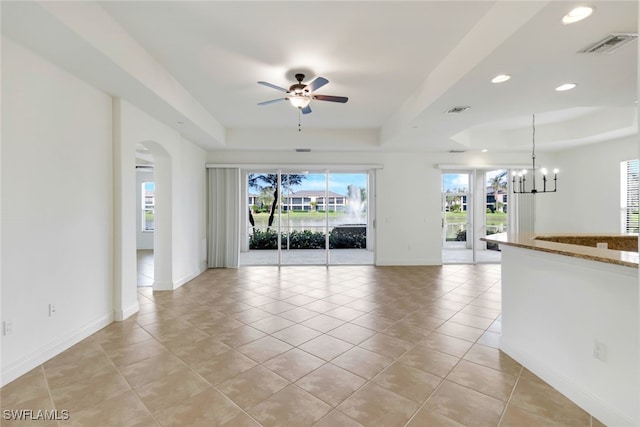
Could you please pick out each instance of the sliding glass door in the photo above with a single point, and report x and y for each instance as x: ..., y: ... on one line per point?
x: 301, y: 217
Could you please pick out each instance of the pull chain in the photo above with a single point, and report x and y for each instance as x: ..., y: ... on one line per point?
x: 299, y: 126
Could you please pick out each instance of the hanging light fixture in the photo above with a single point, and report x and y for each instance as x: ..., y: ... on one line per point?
x: 521, y: 187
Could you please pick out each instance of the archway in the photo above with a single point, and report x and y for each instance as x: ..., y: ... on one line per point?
x: 162, y: 241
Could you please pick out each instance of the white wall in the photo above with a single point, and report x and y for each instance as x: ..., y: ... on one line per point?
x: 144, y: 239
x: 69, y: 208
x: 588, y: 197
x: 57, y: 209
x: 408, y: 188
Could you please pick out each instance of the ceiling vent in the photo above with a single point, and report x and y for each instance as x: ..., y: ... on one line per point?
x: 303, y: 150
x: 610, y: 43
x: 457, y: 110
x: 454, y: 151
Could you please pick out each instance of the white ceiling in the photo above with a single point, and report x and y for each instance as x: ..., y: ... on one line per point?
x: 402, y: 65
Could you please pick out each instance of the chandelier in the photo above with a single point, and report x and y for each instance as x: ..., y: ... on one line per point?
x: 520, y: 186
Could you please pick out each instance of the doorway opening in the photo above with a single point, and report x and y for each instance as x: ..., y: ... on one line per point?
x: 145, y: 216
x: 307, y: 217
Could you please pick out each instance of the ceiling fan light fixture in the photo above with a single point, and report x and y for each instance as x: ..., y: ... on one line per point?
x: 299, y: 101
x: 577, y: 14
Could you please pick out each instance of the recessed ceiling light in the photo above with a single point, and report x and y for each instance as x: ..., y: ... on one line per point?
x: 484, y: 150
x: 500, y: 78
x: 566, y: 86
x: 577, y: 14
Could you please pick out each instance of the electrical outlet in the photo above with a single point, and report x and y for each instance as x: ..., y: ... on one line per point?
x: 7, y: 327
x: 599, y: 351
x: 52, y: 310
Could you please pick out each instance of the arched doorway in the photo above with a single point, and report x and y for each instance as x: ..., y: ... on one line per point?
x: 162, y: 218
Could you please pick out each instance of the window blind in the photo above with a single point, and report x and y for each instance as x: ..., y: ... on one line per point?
x: 632, y: 204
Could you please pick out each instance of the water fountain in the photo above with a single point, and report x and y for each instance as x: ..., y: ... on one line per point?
x: 352, y: 233
x: 356, y: 206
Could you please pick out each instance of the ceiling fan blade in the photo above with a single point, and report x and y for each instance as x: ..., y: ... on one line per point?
x: 272, y: 101
x: 317, y: 83
x: 273, y: 86
x: 306, y: 110
x: 331, y: 98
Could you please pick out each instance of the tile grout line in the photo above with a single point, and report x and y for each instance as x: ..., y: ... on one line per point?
x: 513, y: 390
x: 125, y: 378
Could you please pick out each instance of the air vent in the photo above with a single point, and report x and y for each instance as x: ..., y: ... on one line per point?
x: 457, y: 151
x: 457, y: 110
x: 610, y: 43
x: 303, y: 150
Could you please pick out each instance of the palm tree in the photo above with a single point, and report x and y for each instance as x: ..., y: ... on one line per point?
x: 498, y: 183
x: 271, y: 182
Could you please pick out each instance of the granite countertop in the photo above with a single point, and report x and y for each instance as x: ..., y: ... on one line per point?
x: 581, y: 246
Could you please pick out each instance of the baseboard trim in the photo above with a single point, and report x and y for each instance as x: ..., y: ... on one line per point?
x: 408, y: 262
x: 188, y: 277
x: 38, y: 357
x: 592, y: 404
x: 125, y: 313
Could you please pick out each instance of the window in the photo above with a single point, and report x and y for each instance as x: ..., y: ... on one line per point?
x: 148, y: 206
x: 629, y: 195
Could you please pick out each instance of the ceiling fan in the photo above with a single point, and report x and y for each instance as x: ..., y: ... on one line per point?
x: 300, y: 94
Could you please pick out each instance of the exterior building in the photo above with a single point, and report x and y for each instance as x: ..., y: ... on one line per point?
x: 308, y: 200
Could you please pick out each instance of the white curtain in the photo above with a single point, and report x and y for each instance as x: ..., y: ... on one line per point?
x: 224, y: 217
x: 525, y: 210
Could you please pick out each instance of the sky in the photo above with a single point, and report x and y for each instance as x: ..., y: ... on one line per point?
x: 338, y: 182
x: 455, y: 181
x: 460, y: 181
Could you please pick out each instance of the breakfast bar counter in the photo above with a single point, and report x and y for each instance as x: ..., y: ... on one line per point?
x: 620, y: 249
x: 570, y: 314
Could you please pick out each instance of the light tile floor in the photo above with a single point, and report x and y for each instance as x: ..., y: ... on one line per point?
x: 302, y: 346
x: 145, y: 267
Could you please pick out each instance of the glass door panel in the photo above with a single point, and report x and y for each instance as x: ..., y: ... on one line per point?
x: 260, y: 237
x: 348, y: 213
x: 303, y: 218
x: 496, y: 209
x: 457, y: 240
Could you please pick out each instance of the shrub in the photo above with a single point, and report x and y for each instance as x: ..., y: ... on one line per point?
x: 348, y: 237
x: 339, y: 238
x: 305, y: 239
x: 267, y: 239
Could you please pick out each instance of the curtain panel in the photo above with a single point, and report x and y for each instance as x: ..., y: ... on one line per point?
x: 525, y: 213
x: 224, y: 218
